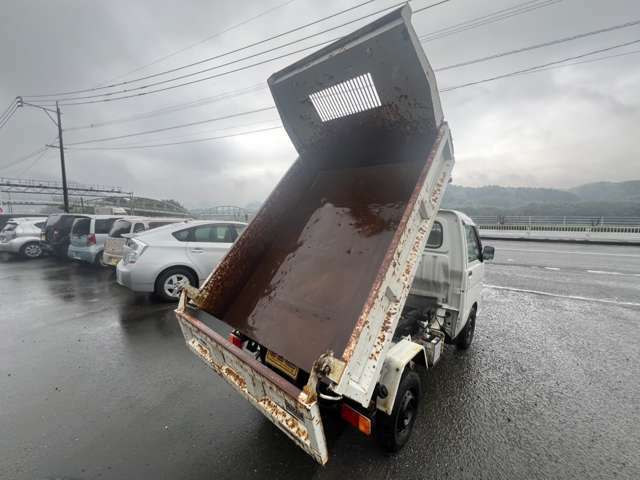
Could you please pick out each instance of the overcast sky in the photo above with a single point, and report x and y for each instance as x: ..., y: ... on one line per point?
x: 555, y: 128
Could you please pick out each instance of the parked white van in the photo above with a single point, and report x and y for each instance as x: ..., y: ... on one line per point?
x: 87, y: 238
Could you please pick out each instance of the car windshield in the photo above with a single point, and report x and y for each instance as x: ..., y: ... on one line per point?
x: 103, y: 225
x: 119, y: 228
x: 81, y: 226
x: 61, y: 222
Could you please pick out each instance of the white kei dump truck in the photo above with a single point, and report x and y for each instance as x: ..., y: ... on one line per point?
x: 349, y: 278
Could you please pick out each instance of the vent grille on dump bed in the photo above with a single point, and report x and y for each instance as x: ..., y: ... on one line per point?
x: 346, y: 98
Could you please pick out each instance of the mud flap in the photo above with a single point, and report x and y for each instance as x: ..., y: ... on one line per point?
x: 281, y: 402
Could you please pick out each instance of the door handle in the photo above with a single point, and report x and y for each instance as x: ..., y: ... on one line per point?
x: 197, y: 250
x: 471, y: 273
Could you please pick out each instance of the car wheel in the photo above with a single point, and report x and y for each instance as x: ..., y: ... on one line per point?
x: 465, y: 337
x: 170, y: 282
x: 393, y: 431
x: 31, y: 250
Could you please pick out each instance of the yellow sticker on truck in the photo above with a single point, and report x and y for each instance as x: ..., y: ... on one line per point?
x: 281, y: 364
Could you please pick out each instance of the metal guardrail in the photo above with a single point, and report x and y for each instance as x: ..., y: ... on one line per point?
x: 563, y: 228
x: 512, y: 220
x: 615, y: 234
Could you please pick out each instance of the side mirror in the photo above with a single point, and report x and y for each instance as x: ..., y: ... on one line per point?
x: 488, y: 253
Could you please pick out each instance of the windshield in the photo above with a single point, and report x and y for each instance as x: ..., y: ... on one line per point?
x: 9, y: 227
x: 81, y: 226
x: 103, y: 225
x: 61, y: 222
x: 120, y: 227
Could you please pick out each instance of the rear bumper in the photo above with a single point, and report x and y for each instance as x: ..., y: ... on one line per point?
x: 111, y: 259
x: 281, y: 402
x: 83, y: 254
x: 12, y: 246
x: 127, y: 277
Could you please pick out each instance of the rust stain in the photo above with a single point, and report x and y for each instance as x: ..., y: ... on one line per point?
x: 234, y: 377
x: 394, y: 249
x: 286, y: 419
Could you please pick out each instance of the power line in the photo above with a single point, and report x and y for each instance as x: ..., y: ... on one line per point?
x: 487, y: 19
x: 248, y: 57
x: 262, y: 87
x: 591, y: 60
x: 23, y: 158
x: 238, y: 49
x: 198, y: 140
x: 12, y: 110
x: 534, y: 69
x: 174, y: 108
x: 437, y: 69
x: 6, y: 110
x: 542, y: 66
x: 207, y: 39
x: 539, y: 45
x: 184, y: 125
x: 32, y: 164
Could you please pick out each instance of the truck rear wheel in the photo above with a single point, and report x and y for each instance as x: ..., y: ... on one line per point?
x: 393, y: 431
x: 465, y: 337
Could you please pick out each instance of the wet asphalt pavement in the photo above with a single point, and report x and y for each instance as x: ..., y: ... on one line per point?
x: 96, y: 382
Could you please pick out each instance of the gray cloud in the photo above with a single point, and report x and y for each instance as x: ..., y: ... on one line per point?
x: 557, y: 128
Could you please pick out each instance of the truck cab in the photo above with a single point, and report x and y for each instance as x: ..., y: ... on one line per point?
x: 449, y: 277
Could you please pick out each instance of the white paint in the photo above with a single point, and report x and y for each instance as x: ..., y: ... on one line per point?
x: 570, y: 252
x: 602, y: 272
x: 557, y: 295
x: 552, y: 268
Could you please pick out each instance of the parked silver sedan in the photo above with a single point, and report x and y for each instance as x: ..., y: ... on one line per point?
x: 21, y: 236
x: 163, y: 260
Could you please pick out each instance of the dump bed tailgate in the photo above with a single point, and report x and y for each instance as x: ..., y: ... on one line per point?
x: 288, y: 407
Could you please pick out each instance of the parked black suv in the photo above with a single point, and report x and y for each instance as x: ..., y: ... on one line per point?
x: 55, y: 233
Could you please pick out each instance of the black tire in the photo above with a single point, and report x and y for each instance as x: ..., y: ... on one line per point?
x: 162, y: 289
x: 393, y: 431
x: 465, y: 337
x: 31, y: 250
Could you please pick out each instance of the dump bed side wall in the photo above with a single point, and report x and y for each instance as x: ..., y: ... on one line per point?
x: 225, y: 282
x: 365, y: 353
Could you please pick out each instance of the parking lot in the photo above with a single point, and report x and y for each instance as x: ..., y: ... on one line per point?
x: 96, y: 382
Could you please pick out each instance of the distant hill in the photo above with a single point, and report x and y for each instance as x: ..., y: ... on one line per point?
x: 609, y: 191
x: 592, y: 199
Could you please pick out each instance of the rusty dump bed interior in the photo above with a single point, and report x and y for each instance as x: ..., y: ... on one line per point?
x: 363, y: 115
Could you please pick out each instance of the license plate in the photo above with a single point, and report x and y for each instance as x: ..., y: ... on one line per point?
x: 281, y: 364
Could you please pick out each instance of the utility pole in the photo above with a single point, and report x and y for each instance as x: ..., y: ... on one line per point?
x: 65, y: 191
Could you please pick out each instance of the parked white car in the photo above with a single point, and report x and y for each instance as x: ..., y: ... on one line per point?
x: 87, y: 237
x: 21, y: 236
x: 126, y: 227
x: 163, y: 260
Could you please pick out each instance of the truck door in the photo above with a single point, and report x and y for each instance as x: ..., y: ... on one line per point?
x: 208, y: 244
x: 473, y: 274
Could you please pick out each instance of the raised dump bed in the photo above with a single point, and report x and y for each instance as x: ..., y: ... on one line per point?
x: 320, y: 275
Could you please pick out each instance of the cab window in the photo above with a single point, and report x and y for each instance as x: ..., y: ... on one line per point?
x: 473, y: 244
x: 138, y: 227
x: 435, y: 237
